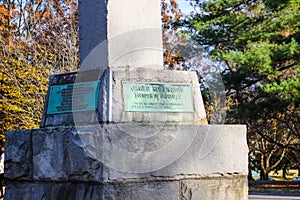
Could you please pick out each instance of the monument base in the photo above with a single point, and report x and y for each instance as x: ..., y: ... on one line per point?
x: 229, y: 187
x: 128, y: 161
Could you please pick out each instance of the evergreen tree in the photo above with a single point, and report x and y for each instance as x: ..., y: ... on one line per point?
x: 257, y: 45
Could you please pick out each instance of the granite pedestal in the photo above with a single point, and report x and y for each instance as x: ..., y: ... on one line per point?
x: 68, y: 163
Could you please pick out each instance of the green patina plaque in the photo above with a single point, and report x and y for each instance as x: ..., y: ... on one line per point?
x: 74, y: 97
x: 157, y: 97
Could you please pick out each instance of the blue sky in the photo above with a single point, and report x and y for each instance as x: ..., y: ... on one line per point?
x: 184, y: 6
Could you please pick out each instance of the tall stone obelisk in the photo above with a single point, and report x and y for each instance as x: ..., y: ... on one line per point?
x: 118, y: 33
x: 124, y: 39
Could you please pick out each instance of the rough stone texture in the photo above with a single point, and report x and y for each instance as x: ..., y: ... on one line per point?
x: 53, y: 191
x: 199, y: 151
x: 218, y: 188
x: 152, y: 190
x: 150, y: 162
x: 107, y: 32
x: 18, y: 153
x: 227, y: 188
x: 128, y: 151
x: 58, y: 155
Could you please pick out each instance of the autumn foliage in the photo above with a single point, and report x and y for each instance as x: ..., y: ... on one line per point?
x: 37, y: 38
x: 170, y: 13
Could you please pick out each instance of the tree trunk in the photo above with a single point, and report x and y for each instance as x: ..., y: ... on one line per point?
x: 284, y: 172
x: 264, y: 175
x: 250, y: 177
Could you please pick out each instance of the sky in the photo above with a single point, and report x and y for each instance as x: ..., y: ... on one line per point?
x: 184, y: 6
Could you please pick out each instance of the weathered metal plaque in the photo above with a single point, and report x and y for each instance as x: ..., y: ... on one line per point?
x: 157, y: 97
x: 73, y: 97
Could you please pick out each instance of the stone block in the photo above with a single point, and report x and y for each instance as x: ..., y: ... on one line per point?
x: 176, y: 151
x: 18, y: 155
x: 167, y: 190
x: 223, y: 188
x: 226, y: 188
x: 89, y: 191
x: 119, y: 115
x: 128, y: 151
x: 217, y: 150
x: 58, y: 155
x: 128, y: 161
x: 20, y: 190
x: 53, y: 191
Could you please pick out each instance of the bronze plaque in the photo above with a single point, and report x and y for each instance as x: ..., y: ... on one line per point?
x: 73, y: 97
x: 157, y: 97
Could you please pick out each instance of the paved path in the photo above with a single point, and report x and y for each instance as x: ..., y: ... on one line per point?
x: 257, y: 196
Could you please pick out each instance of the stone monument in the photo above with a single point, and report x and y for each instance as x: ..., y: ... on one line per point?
x: 123, y: 128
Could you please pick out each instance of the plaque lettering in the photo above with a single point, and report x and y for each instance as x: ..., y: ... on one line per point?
x: 157, y: 97
x: 74, y: 97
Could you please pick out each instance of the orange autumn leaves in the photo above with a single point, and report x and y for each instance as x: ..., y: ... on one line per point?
x: 37, y: 38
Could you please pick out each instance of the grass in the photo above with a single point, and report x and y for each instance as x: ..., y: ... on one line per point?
x: 279, y: 185
x: 274, y: 190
